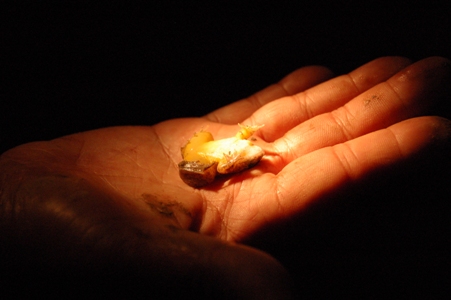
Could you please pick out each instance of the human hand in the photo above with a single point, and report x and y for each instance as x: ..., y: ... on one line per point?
x: 114, y: 194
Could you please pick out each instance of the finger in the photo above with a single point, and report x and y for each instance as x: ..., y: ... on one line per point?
x: 281, y: 115
x: 407, y: 94
x: 293, y: 83
x: 323, y: 171
x: 314, y: 175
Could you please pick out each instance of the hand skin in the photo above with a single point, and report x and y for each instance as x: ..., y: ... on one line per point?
x: 109, y: 203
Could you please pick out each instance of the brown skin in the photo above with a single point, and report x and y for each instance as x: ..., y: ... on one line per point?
x: 112, y: 199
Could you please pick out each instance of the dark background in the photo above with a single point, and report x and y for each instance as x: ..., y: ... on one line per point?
x: 73, y: 66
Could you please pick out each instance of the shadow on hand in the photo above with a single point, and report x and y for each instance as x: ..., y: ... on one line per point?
x: 386, y: 234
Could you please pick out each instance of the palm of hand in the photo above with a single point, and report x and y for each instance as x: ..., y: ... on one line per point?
x: 138, y: 165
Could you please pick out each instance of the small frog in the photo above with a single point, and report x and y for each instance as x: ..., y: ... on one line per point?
x: 203, y: 157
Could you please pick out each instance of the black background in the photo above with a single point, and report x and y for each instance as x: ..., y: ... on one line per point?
x: 73, y: 66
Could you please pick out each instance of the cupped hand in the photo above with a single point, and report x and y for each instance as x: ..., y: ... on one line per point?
x: 114, y: 194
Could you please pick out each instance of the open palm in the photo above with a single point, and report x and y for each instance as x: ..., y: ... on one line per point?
x: 120, y: 185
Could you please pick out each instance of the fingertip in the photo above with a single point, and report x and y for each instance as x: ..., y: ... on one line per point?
x: 440, y: 60
x: 430, y: 67
x: 305, y: 77
x: 378, y: 70
x: 422, y: 133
